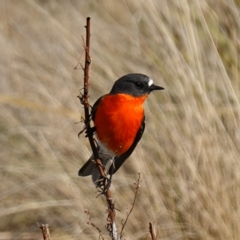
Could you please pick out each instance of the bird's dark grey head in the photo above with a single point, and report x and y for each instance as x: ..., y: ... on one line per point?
x: 134, y: 84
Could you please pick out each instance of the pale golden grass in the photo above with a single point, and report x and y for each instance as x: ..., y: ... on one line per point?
x: 189, y: 155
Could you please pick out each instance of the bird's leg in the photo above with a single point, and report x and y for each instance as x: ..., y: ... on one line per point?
x: 104, y: 183
x: 109, y: 170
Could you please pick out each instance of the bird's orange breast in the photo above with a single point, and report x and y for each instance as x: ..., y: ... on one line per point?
x: 117, y: 121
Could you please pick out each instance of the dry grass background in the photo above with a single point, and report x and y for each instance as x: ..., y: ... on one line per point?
x: 189, y: 154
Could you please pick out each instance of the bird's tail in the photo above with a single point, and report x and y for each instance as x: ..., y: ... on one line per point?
x: 90, y: 167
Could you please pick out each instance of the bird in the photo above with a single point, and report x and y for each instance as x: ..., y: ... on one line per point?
x: 119, y: 123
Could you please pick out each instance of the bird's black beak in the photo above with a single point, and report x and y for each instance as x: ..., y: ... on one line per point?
x: 155, y: 87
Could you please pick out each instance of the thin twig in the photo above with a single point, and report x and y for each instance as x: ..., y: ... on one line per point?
x: 45, y: 230
x: 84, y: 99
x: 93, y: 225
x: 79, y: 63
x: 157, y: 232
x: 137, y: 184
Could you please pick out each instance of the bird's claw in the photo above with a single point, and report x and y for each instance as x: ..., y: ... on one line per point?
x: 103, y: 184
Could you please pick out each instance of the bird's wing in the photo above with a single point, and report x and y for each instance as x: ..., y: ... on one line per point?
x: 121, y: 159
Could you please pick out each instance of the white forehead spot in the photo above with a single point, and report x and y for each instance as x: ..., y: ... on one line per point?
x: 150, y: 82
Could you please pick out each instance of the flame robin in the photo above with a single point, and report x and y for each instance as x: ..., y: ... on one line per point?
x: 119, y: 123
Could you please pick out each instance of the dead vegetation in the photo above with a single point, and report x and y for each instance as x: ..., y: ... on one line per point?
x: 189, y: 154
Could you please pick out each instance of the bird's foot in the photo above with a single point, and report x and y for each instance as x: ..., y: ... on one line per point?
x: 103, y: 184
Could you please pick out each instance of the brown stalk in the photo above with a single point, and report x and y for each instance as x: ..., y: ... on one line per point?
x: 111, y: 225
x: 93, y: 225
x: 45, y: 230
x: 137, y: 184
x: 153, y: 236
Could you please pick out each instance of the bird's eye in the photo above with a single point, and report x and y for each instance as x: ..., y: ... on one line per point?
x: 138, y: 85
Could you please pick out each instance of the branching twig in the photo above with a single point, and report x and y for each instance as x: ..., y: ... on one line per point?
x: 79, y: 63
x: 137, y: 184
x: 93, y: 225
x: 45, y: 230
x: 84, y: 99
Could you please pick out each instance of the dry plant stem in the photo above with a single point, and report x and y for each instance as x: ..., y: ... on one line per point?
x: 93, y: 225
x: 152, y: 231
x: 133, y: 203
x: 111, y: 209
x: 45, y: 230
x: 86, y: 97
